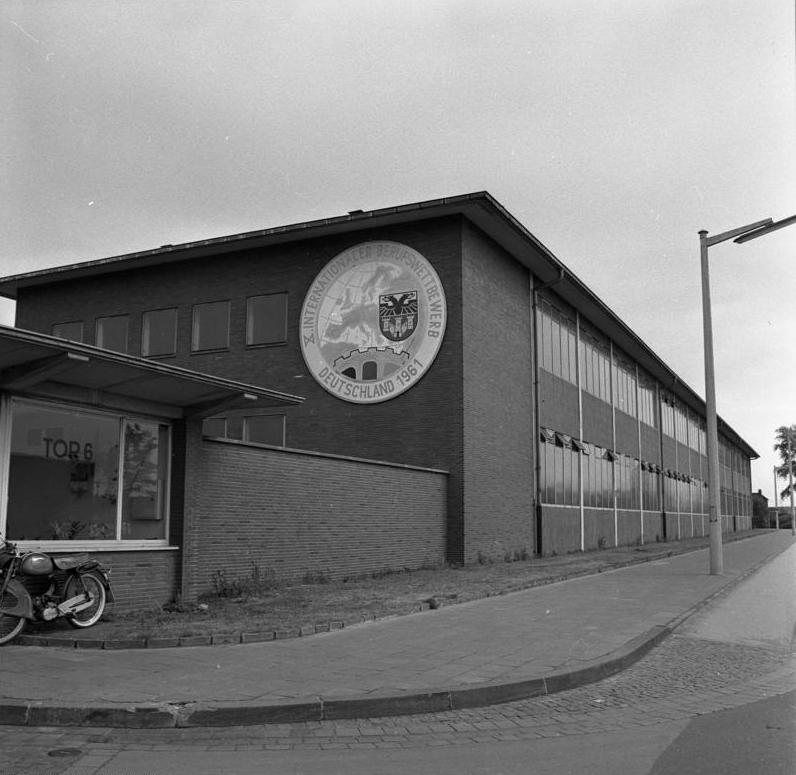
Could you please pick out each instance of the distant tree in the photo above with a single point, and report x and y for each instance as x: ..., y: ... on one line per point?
x: 785, y: 447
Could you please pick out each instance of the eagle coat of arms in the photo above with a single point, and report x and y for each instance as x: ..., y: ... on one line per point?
x: 398, y: 315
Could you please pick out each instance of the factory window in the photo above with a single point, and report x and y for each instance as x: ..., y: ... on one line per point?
x: 669, y: 492
x: 266, y: 319
x: 598, y: 478
x: 681, y: 424
x: 265, y: 429
x: 595, y: 360
x: 72, y: 330
x: 210, y: 326
x: 627, y: 482
x: 557, y: 342
x: 650, y: 492
x: 625, y: 387
x: 646, y: 402
x: 667, y: 416
x: 559, y: 475
x: 159, y: 332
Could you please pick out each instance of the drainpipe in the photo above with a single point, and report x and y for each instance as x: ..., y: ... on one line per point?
x: 580, y: 434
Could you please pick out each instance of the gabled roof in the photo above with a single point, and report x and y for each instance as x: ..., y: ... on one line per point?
x: 480, y: 208
x: 35, y: 364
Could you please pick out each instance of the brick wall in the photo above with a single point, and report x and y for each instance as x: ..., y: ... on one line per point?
x: 560, y: 529
x: 294, y: 513
x: 558, y: 405
x: 422, y: 427
x: 498, y: 437
x: 140, y: 579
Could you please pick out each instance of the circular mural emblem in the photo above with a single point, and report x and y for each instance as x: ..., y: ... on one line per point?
x: 372, y: 322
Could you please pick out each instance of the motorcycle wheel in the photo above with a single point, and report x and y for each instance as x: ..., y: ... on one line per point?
x: 10, y: 626
x: 96, y: 590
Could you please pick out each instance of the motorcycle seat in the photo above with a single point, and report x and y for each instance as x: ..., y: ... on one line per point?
x: 70, y: 561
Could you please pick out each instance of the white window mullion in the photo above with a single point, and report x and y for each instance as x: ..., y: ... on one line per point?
x: 5, y: 458
x: 120, y: 477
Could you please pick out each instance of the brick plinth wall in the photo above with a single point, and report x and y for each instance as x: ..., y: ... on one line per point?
x: 290, y: 513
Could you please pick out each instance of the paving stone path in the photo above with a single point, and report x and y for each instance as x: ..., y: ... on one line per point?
x: 682, y: 678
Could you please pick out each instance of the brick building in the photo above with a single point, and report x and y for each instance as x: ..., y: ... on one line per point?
x: 465, y: 398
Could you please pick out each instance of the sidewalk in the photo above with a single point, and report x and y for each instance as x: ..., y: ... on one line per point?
x: 499, y: 649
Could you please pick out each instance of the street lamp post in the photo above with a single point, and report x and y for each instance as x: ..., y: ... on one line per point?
x: 742, y: 234
x: 790, y: 485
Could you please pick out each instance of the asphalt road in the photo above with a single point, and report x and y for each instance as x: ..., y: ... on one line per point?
x: 718, y: 696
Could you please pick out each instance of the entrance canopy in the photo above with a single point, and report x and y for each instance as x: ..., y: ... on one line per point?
x: 44, y: 366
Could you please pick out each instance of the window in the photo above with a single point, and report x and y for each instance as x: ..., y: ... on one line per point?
x: 370, y: 370
x: 598, y: 478
x: 266, y: 319
x: 112, y: 333
x: 210, y: 326
x: 215, y: 426
x: 667, y: 416
x: 681, y: 424
x: 627, y: 482
x: 73, y: 330
x: 144, y: 479
x: 559, y: 471
x: 65, y: 482
x: 595, y: 360
x: 159, y: 332
x: 647, y: 402
x: 650, y: 492
x: 625, y: 387
x: 265, y: 429
x: 557, y: 342
x: 670, y: 492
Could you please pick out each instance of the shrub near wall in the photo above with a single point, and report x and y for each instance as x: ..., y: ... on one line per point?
x: 294, y: 514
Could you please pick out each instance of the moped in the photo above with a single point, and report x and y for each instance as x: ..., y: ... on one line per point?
x: 37, y: 587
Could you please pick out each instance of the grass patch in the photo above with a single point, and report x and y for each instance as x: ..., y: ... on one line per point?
x: 260, y: 603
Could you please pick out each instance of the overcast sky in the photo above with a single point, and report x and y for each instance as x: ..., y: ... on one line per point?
x: 614, y: 130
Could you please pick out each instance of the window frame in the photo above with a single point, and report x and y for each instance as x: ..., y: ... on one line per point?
x: 97, y: 330
x: 246, y: 423
x: 145, y: 330
x: 250, y: 320
x: 196, y: 329
x: 70, y: 323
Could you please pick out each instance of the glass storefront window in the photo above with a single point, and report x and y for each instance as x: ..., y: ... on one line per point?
x: 144, y: 480
x: 63, y: 476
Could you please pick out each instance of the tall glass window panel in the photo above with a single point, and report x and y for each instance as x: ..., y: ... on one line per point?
x: 112, y: 333
x: 210, y: 326
x: 650, y: 492
x: 159, y: 332
x: 144, y: 483
x: 266, y: 319
x: 63, y: 475
x: 265, y: 429
x: 72, y: 330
